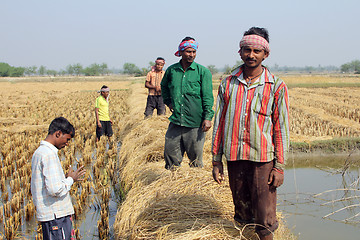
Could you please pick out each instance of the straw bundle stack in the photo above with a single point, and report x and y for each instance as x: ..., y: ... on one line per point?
x: 162, y: 204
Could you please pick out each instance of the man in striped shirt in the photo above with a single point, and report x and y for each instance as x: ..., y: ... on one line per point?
x: 251, y: 129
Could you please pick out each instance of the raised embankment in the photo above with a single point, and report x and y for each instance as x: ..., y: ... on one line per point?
x: 162, y: 204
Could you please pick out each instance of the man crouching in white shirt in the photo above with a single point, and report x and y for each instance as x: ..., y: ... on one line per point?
x: 50, y: 187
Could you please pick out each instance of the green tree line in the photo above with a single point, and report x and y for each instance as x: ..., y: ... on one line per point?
x: 353, y: 66
x: 130, y: 68
x: 9, y: 71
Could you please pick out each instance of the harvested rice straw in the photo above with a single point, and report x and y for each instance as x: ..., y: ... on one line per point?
x: 162, y: 204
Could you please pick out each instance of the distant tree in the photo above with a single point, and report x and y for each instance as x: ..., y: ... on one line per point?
x: 42, y: 70
x: 353, y: 66
x: 9, y: 71
x: 62, y: 72
x: 92, y: 70
x: 151, y: 64
x: 104, y: 69
x: 143, y: 72
x: 227, y: 69
x: 5, y: 70
x: 78, y: 68
x: 238, y: 63
x: 212, y: 69
x: 75, y: 69
x: 70, y: 69
x: 17, y: 71
x: 345, y: 68
x: 31, y: 70
x: 51, y: 72
x: 131, y: 68
x: 275, y: 67
x: 309, y: 69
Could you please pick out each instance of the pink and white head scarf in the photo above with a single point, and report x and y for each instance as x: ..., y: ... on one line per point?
x: 186, y: 44
x: 255, y: 41
x: 157, y: 61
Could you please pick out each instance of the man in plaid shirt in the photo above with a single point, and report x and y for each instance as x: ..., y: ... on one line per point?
x: 251, y: 129
x: 50, y: 186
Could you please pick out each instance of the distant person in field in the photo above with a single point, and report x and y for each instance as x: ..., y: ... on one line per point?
x: 187, y: 91
x: 251, y: 129
x: 50, y: 187
x: 103, y: 122
x: 153, y: 81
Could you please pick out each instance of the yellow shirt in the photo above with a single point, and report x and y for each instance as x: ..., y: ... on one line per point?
x: 103, y: 107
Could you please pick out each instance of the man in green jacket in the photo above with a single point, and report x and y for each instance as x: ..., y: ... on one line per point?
x: 186, y: 89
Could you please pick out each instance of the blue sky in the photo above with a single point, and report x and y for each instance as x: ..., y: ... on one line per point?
x: 62, y: 32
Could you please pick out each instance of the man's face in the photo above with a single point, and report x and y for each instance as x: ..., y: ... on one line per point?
x: 253, y: 57
x: 188, y: 55
x: 62, y: 139
x: 159, y: 66
x: 105, y: 94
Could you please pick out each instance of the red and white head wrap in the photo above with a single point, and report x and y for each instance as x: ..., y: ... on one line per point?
x: 255, y: 41
x: 156, y: 62
x: 105, y: 89
x: 160, y: 61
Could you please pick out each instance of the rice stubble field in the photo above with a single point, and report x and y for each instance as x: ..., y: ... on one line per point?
x: 155, y: 203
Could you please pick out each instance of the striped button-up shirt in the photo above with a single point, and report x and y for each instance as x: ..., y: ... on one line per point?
x: 251, y: 122
x: 49, y: 187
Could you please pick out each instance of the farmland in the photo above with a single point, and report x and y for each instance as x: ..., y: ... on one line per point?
x: 157, y: 204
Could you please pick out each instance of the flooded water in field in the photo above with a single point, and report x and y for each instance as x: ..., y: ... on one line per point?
x: 322, y: 202
x: 87, y: 222
x: 320, y: 199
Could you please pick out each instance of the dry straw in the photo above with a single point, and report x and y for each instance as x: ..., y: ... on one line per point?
x: 162, y: 204
x: 159, y: 204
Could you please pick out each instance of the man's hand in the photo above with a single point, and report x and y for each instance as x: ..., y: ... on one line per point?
x: 206, y: 125
x: 276, y: 179
x: 218, y: 172
x: 99, y: 124
x: 158, y: 89
x: 76, y: 174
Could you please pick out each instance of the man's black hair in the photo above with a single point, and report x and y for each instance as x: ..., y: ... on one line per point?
x: 160, y: 58
x: 258, y: 31
x: 63, y: 125
x: 187, y: 39
x: 104, y: 86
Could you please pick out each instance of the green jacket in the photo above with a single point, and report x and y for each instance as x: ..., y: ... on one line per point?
x: 190, y: 94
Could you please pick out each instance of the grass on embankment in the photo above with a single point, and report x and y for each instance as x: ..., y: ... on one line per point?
x: 332, y: 146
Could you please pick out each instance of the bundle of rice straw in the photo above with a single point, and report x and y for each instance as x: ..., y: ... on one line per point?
x: 161, y: 204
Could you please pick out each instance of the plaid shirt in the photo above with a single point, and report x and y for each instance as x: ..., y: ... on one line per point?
x: 251, y: 122
x: 154, y: 78
x: 49, y: 187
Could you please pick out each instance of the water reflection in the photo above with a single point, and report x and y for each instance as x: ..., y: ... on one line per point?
x: 321, y: 197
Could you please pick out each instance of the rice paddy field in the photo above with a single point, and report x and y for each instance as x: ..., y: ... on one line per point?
x: 151, y: 202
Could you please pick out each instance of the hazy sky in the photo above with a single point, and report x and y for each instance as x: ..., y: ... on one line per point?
x: 62, y: 32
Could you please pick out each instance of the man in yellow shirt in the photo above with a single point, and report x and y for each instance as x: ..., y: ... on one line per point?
x: 103, y: 122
